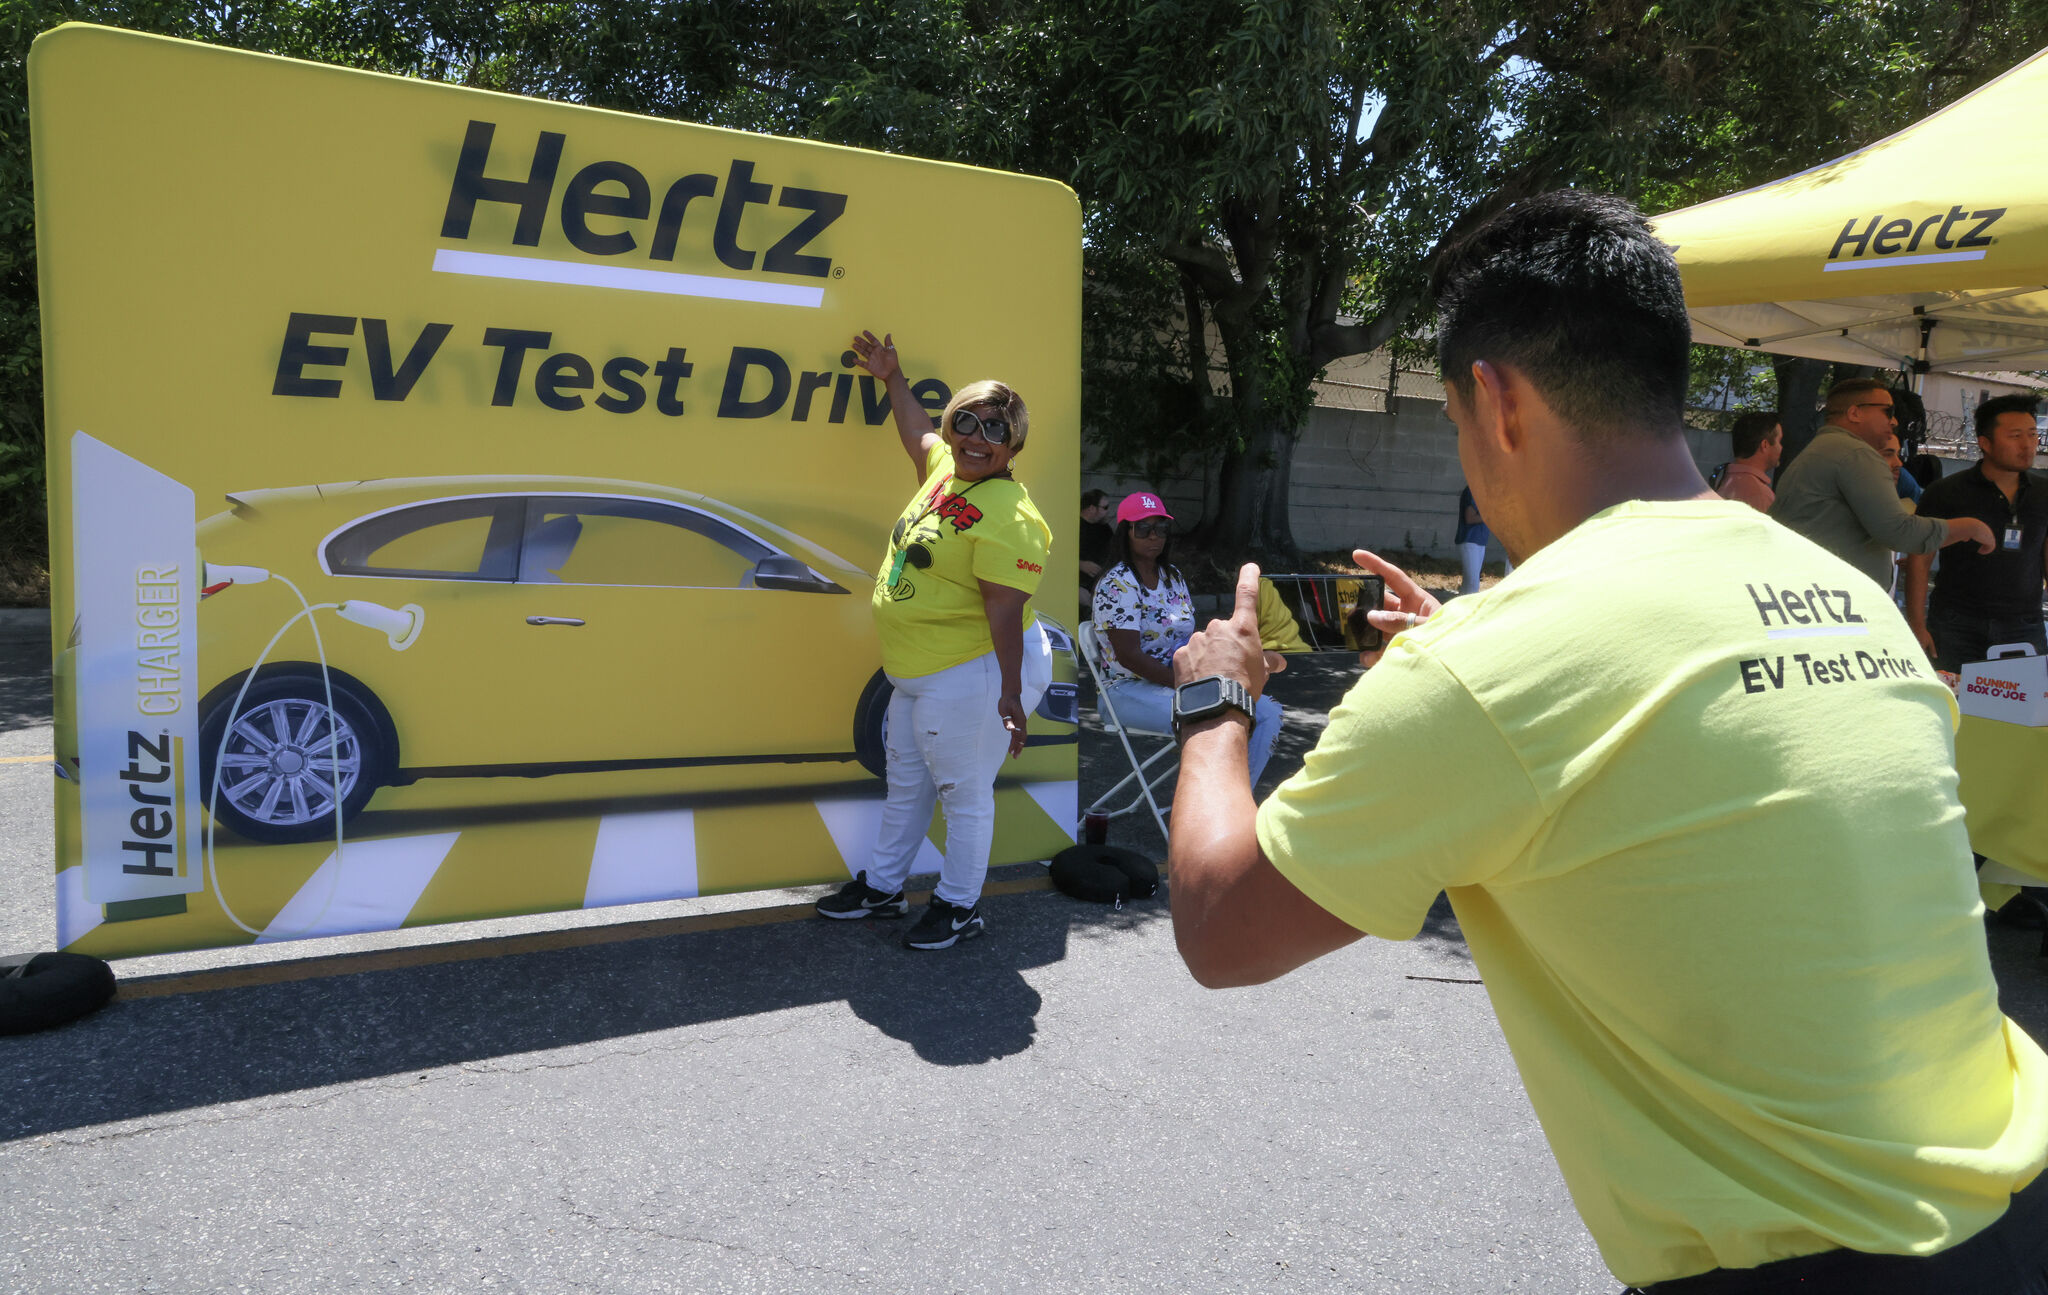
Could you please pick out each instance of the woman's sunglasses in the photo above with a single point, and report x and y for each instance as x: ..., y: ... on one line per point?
x: 1145, y: 530
x: 993, y: 430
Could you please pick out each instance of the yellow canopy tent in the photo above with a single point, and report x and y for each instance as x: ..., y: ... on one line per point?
x: 1926, y: 251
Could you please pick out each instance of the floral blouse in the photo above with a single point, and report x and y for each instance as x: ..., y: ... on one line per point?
x: 1164, y: 616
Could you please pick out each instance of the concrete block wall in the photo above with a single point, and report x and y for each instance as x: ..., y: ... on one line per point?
x: 1369, y: 480
x: 1378, y: 480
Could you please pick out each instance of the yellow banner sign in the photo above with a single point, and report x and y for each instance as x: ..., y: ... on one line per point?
x: 535, y: 496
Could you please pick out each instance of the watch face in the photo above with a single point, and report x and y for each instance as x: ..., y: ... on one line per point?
x: 1199, y: 696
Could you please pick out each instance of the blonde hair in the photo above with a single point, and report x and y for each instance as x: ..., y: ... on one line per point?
x: 990, y: 392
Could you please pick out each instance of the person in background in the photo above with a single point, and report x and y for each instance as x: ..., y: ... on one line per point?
x: 1095, y: 536
x: 965, y: 654
x: 1840, y: 494
x: 1758, y: 439
x: 1991, y: 598
x: 1144, y: 611
x: 1909, y: 495
x: 1471, y: 540
x: 1903, y: 481
x: 1908, y: 485
x: 1638, y: 771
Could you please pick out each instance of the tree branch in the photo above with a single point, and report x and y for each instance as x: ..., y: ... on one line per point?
x: 1331, y: 342
x: 1207, y: 266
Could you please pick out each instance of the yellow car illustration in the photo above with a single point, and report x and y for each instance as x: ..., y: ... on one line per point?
x: 550, y: 625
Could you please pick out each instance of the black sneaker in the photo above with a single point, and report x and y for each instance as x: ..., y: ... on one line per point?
x: 858, y: 899
x: 943, y: 926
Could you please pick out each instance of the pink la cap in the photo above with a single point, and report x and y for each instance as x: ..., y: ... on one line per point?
x: 1141, y: 505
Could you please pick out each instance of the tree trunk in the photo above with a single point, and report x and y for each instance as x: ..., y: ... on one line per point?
x: 1240, y: 483
x: 1240, y: 490
x: 1232, y: 524
x: 1276, y: 536
x: 1799, y: 383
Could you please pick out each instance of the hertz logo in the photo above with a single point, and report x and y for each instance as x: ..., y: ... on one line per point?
x: 610, y: 209
x: 1878, y: 240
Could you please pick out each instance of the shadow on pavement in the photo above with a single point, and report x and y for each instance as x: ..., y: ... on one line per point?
x: 151, y: 1056
x: 2022, y: 971
x: 24, y: 685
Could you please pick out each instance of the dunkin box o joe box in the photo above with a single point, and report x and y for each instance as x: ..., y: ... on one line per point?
x: 2010, y: 688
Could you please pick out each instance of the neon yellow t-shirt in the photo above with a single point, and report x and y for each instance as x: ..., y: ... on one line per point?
x: 949, y: 538
x: 1690, y: 784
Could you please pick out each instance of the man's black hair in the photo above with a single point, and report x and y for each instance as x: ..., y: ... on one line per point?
x: 1751, y: 430
x: 2018, y: 403
x: 1090, y: 498
x: 1842, y: 396
x: 1574, y: 291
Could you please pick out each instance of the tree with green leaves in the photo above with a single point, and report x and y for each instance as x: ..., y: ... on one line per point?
x: 1301, y: 164
x: 1280, y: 172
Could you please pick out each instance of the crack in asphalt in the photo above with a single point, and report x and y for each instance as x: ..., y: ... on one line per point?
x: 731, y: 1247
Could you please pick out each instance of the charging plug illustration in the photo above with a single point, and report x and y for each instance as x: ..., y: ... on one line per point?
x: 219, y: 575
x: 401, y: 627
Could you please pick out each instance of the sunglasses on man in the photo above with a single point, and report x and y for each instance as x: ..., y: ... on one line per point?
x: 995, y: 431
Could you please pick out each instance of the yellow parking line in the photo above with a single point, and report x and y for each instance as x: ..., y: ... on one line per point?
x: 348, y: 964
x: 26, y: 759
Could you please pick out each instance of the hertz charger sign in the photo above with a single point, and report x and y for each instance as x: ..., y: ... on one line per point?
x: 447, y: 515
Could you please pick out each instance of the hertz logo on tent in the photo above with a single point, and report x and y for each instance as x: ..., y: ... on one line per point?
x: 1866, y: 243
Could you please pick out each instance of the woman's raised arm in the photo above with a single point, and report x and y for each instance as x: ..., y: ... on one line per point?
x: 913, y: 425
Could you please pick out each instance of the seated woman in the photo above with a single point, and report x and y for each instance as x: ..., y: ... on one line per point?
x: 1143, y: 608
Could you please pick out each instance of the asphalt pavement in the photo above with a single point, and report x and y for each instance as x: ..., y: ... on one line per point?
x: 707, y: 1095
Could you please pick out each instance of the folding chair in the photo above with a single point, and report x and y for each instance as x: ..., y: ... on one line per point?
x: 1141, y: 771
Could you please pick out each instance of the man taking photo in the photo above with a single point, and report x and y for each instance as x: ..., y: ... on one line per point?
x: 1641, y: 767
x: 1987, y: 599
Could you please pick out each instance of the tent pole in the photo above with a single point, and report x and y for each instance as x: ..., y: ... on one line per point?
x: 1927, y: 323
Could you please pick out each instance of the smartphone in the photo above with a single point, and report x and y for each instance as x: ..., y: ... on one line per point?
x: 1372, y: 597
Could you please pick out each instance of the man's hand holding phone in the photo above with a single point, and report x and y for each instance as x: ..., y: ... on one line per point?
x: 1407, y: 603
x: 1229, y: 648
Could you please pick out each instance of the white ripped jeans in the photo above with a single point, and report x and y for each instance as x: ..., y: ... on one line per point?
x: 946, y: 745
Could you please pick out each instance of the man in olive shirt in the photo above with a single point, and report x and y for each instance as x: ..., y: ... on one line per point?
x: 1839, y: 493
x: 1987, y: 599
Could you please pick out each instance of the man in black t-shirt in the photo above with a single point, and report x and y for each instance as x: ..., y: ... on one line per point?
x: 1095, y: 537
x: 1985, y: 599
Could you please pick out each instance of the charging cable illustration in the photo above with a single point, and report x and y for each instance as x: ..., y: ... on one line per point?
x: 401, y: 628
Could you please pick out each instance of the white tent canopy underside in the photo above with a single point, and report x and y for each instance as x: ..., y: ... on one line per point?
x: 1961, y: 331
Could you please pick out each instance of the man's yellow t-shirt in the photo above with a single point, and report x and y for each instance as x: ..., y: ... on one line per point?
x: 952, y: 536
x: 1690, y: 785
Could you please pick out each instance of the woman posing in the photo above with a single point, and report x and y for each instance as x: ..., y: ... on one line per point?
x: 1142, y: 605
x: 967, y: 657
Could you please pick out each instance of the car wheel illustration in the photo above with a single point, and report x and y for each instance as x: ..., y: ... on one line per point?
x: 869, y: 742
x: 279, y: 774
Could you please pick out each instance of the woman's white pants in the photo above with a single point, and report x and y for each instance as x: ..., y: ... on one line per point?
x: 946, y: 745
